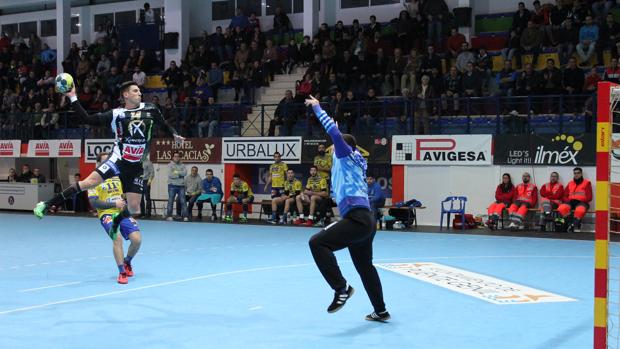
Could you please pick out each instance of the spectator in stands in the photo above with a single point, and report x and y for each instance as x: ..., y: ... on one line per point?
x: 395, y: 69
x: 287, y: 198
x: 455, y: 43
x: 371, y: 112
x: 285, y: 116
x: 464, y: 57
x: 211, y: 193
x: 37, y: 177
x: 176, y: 185
x: 551, y: 195
x: 612, y: 73
x: 577, y: 197
x: 210, y: 119
x: 293, y: 59
x: 216, y: 41
x: 114, y: 81
x: 148, y: 17
x: 282, y: 24
x: 305, y: 51
x: 253, y: 23
x: 46, y: 81
x: 567, y: 39
x: 537, y: 15
x: 436, y: 13
x: 453, y: 83
x: 240, y: 193
x: 239, y: 20
x: 601, y: 8
x: 103, y: 67
x: 409, y: 79
x: 412, y: 7
x: 552, y: 78
x: 48, y: 55
x: 573, y: 81
x: 241, y: 81
x: 609, y: 35
x: 471, y: 81
x: 531, y: 41
x: 504, y: 195
x: 423, y: 94
x: 520, y: 19
x: 216, y: 79
x: 526, y: 195
x: 173, y: 79
x: 588, y: 37
x: 404, y: 31
x: 529, y: 82
x: 26, y: 174
x: 315, y: 192
x: 431, y: 60
x: 139, y: 77
x: 148, y: 175
x: 592, y: 80
x: 376, y: 197
x: 484, y: 64
x: 271, y: 63
x: 193, y: 189
x: 12, y: 177
x: 557, y: 16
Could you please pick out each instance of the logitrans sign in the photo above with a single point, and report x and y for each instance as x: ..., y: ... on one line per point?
x: 476, y: 285
x: 451, y: 150
x: 92, y: 147
x: 550, y: 150
x: 260, y: 150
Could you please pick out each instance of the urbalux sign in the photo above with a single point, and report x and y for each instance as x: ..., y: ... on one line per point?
x: 442, y: 150
x: 260, y: 150
x: 555, y: 150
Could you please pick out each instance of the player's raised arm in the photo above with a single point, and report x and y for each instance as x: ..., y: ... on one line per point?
x: 161, y: 122
x: 91, y: 119
x: 340, y: 146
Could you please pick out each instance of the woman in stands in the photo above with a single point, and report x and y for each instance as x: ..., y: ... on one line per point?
x: 504, y: 196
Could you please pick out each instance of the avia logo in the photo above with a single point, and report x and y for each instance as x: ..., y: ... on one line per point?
x: 42, y: 149
x: 6, y: 149
x: 65, y: 149
x: 132, y: 153
x: 563, y: 156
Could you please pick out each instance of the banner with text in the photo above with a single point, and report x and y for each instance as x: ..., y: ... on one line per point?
x: 375, y: 150
x: 66, y: 148
x: 92, y: 147
x: 546, y: 150
x: 192, y: 150
x: 451, y: 150
x: 260, y: 150
x: 10, y: 148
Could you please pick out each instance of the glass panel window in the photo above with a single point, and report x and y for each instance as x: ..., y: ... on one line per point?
x: 125, y: 17
x: 48, y: 28
x: 27, y: 28
x: 285, y: 5
x: 102, y: 18
x: 353, y: 3
x: 222, y: 10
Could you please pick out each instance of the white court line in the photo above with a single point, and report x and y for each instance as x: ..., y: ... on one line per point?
x: 202, y: 277
x: 52, y: 286
x: 258, y: 307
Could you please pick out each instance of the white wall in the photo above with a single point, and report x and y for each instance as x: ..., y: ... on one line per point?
x: 477, y: 183
x: 5, y: 165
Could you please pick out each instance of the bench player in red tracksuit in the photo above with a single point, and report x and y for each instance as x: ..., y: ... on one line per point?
x: 526, y: 197
x: 504, y: 196
x: 551, y: 195
x: 577, y: 197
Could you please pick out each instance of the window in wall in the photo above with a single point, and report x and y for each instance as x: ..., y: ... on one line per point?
x: 10, y: 29
x: 75, y: 25
x: 223, y: 9
x: 125, y: 17
x: 285, y: 5
x: 298, y: 6
x: 48, y: 28
x: 102, y: 18
x: 383, y: 2
x: 353, y: 3
x: 27, y: 28
x: 249, y: 6
x: 158, y: 13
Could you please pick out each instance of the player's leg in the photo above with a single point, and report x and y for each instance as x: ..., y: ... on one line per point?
x: 135, y: 237
x: 92, y: 180
x: 301, y: 199
x: 314, y: 200
x: 332, y: 238
x: 275, y: 202
x: 245, y: 202
x: 132, y: 187
x: 117, y: 249
x: 229, y: 203
x: 286, y: 213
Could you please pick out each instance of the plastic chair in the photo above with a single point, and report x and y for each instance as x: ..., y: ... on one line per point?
x: 457, y: 205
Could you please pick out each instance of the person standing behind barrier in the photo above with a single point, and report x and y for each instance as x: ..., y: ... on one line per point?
x: 577, y: 197
x: 526, y: 197
x: 551, y: 195
x: 423, y: 94
x: 323, y: 163
x: 176, y: 185
x: 504, y: 195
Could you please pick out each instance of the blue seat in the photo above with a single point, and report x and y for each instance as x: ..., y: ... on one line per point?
x: 453, y: 204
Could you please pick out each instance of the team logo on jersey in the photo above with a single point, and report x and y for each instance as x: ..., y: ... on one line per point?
x: 107, y: 219
x: 136, y: 127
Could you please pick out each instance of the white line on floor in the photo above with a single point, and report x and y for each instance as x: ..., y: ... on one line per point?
x: 51, y: 286
x: 258, y: 307
x: 202, y: 277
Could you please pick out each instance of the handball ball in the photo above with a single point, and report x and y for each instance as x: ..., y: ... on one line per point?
x: 64, y: 82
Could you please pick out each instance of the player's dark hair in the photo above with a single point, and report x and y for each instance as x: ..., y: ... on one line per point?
x: 311, y: 167
x: 77, y: 174
x: 101, y: 154
x: 578, y: 169
x: 209, y: 170
x: 236, y: 175
x: 290, y: 169
x: 350, y: 140
x: 276, y: 152
x: 126, y: 85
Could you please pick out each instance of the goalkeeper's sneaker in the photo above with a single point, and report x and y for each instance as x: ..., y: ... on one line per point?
x: 340, y: 299
x: 122, y: 278
x: 227, y: 219
x: 40, y: 210
x: 380, y: 317
x: 113, y: 231
x: 128, y: 269
x: 243, y: 220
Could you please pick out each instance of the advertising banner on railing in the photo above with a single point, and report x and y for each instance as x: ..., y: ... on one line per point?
x: 546, y: 150
x: 66, y: 148
x: 260, y: 150
x: 376, y: 150
x: 451, y: 150
x: 10, y: 148
x: 92, y: 147
x: 191, y: 150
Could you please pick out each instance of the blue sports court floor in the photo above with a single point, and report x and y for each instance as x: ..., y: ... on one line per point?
x: 246, y: 286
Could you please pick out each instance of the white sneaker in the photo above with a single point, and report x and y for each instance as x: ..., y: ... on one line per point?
x: 185, y: 219
x: 169, y: 219
x: 512, y: 226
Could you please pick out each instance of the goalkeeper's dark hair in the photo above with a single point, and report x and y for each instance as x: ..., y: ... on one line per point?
x: 350, y: 139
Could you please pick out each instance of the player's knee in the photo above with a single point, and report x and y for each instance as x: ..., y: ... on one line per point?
x: 135, y: 237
